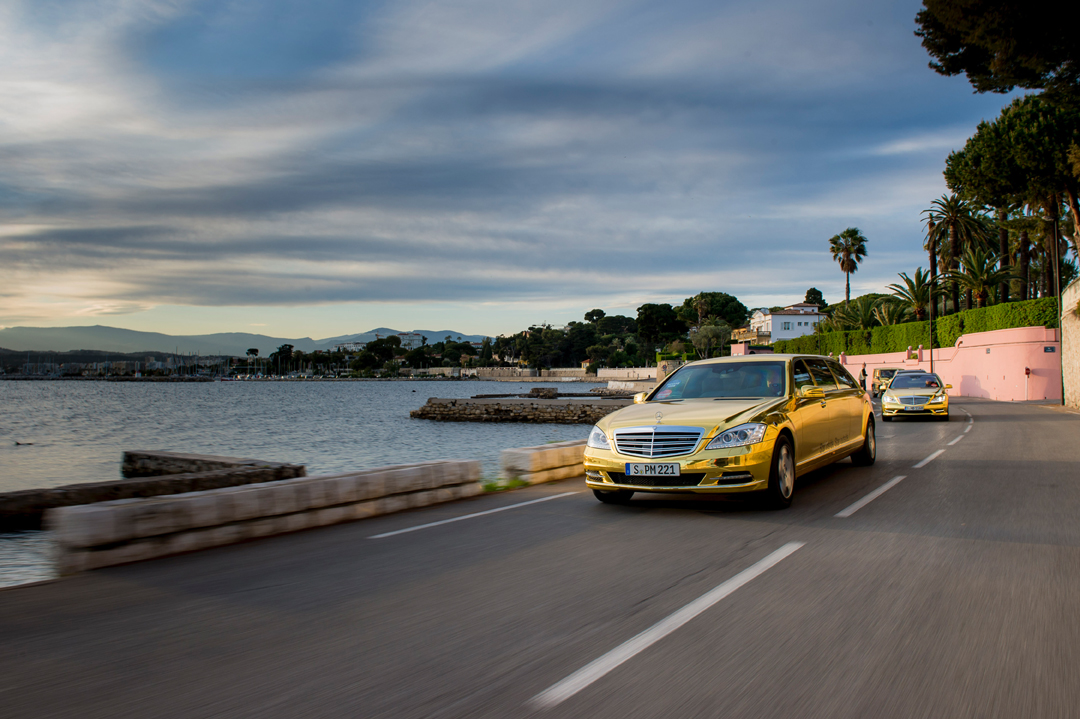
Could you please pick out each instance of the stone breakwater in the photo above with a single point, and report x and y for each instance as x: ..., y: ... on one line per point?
x: 24, y: 509
x: 554, y: 411
x: 155, y: 464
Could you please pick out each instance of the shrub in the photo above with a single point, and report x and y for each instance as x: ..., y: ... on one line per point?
x: 897, y: 338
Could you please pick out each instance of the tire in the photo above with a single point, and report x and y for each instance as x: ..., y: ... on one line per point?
x: 867, y: 453
x: 886, y: 418
x: 944, y: 419
x: 614, y: 496
x: 782, y: 474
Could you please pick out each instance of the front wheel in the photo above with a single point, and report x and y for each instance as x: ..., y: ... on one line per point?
x: 782, y: 474
x: 866, y: 454
x: 613, y: 496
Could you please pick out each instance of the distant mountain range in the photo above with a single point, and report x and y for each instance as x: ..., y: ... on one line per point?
x: 113, y: 339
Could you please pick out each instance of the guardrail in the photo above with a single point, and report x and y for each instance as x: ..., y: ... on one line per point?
x: 130, y: 530
x: 546, y: 463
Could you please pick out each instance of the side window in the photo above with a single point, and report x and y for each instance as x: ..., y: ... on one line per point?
x: 843, y: 377
x: 802, y: 375
x: 822, y: 376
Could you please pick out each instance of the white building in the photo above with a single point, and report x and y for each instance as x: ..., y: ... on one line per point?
x: 411, y: 340
x: 793, y: 321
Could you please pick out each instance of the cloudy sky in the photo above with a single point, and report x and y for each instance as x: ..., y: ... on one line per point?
x: 324, y: 167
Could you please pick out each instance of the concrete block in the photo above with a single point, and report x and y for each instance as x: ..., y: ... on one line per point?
x: 406, y: 479
x: 205, y: 509
x: 329, y: 515
x: 71, y: 561
x: 345, y: 489
x: 364, y: 510
x: 227, y: 534
x: 518, y: 461
x: 283, y: 499
x: 155, y: 518
x: 135, y: 551
x: 265, y: 527
x: 393, y: 503
x: 90, y: 525
x: 245, y: 502
x: 473, y: 471
x: 371, y: 485
x: 463, y: 491
x: 448, y: 473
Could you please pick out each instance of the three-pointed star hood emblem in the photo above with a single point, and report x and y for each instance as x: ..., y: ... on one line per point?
x: 659, y: 416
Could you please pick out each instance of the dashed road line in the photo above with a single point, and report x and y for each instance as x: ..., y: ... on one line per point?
x: 956, y: 440
x: 470, y: 516
x: 847, y: 512
x: 571, y: 685
x: 929, y: 459
x: 967, y: 429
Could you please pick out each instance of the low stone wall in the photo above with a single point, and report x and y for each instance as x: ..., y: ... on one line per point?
x: 626, y: 373
x: 131, y: 530
x: 555, y: 411
x: 155, y: 464
x: 24, y: 509
x: 504, y: 372
x: 546, y: 463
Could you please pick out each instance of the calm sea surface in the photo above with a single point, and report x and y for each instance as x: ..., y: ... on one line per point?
x: 72, y: 431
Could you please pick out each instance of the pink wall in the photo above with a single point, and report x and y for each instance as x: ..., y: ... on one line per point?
x: 985, y: 364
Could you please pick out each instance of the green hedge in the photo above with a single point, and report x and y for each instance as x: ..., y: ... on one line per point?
x: 897, y: 338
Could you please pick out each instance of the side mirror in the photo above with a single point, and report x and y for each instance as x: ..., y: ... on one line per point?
x: 640, y: 397
x: 812, y: 392
x: 948, y: 386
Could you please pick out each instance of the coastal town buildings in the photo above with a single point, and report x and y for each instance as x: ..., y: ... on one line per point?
x: 768, y: 326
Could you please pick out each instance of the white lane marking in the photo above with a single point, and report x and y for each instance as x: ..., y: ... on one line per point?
x: 470, y: 516
x: 929, y: 459
x: 870, y: 497
x: 571, y: 685
x: 956, y: 440
x: 971, y: 420
x: 967, y: 429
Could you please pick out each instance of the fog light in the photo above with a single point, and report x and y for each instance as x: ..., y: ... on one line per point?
x: 589, y: 474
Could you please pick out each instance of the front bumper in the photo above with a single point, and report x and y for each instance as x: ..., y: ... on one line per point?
x: 937, y: 410
x: 722, y: 471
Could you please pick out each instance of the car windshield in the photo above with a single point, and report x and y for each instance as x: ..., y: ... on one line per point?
x: 915, y: 381
x: 727, y: 380
x: 886, y: 373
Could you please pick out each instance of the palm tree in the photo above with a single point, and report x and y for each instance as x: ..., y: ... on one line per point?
x: 962, y: 224
x: 917, y: 293
x: 892, y: 312
x: 857, y: 315
x: 848, y: 248
x: 980, y: 273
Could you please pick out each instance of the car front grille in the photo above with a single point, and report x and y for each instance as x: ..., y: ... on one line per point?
x: 914, y: 400
x: 684, y: 480
x: 657, y: 441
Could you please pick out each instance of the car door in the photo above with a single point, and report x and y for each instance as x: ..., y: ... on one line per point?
x: 847, y: 409
x: 811, y: 417
x: 824, y: 379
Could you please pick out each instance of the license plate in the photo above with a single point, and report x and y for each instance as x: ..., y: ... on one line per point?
x: 652, y: 469
x: 916, y: 408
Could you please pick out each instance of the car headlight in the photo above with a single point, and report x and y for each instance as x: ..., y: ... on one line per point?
x: 738, y: 436
x: 938, y: 397
x: 889, y: 399
x: 597, y: 439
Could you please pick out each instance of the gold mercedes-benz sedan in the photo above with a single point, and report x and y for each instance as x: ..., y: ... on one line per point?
x: 735, y: 424
x: 916, y: 395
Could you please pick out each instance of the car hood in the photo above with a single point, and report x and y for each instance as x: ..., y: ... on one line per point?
x: 707, y: 413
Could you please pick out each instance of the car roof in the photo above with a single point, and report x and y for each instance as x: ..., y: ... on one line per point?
x: 760, y: 358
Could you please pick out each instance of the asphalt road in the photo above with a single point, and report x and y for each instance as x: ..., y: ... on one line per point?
x: 955, y: 593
